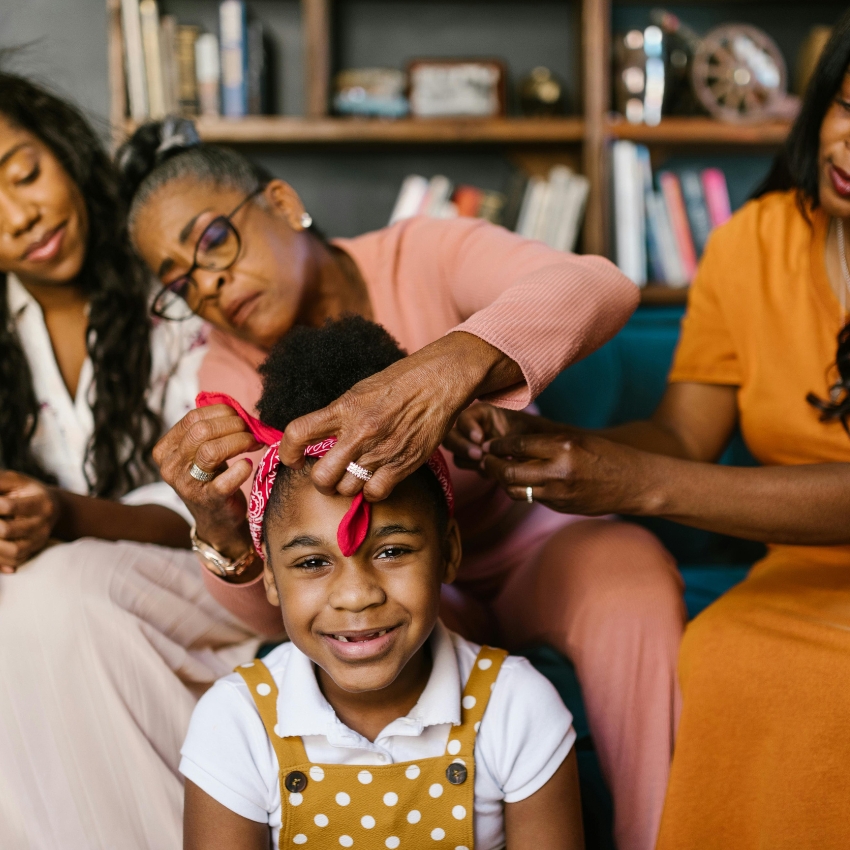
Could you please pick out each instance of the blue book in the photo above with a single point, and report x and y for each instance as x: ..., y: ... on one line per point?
x: 653, y: 245
x: 696, y: 208
x: 234, y: 58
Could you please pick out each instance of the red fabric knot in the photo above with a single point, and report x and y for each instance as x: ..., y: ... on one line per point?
x: 354, y: 526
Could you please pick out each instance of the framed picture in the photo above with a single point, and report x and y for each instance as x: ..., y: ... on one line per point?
x: 442, y: 88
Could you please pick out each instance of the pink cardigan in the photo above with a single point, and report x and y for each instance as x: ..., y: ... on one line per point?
x: 428, y: 277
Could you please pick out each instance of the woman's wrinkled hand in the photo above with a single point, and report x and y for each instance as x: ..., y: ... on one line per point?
x: 210, y: 437
x: 393, y: 421
x: 481, y: 423
x: 573, y: 472
x: 28, y: 513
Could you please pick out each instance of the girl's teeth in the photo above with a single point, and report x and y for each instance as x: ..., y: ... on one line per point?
x: 372, y: 636
x: 343, y: 639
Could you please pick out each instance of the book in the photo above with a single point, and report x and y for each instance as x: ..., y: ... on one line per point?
x: 532, y: 205
x: 653, y: 242
x: 256, y: 69
x: 187, y: 77
x: 567, y: 234
x: 671, y: 190
x: 671, y: 271
x: 413, y: 190
x: 555, y: 208
x: 716, y: 196
x: 134, y: 59
x: 629, y: 212
x: 149, y: 24
x: 234, y: 58
x: 513, y: 199
x: 437, y: 203
x: 467, y: 199
x: 208, y: 70
x: 491, y: 206
x: 168, y: 53
x: 696, y: 209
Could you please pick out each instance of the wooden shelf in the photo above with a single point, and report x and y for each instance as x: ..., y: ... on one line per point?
x: 659, y: 295
x: 276, y: 129
x: 700, y: 131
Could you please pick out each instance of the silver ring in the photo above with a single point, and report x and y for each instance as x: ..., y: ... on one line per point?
x: 358, y: 471
x: 200, y: 474
x: 529, y: 495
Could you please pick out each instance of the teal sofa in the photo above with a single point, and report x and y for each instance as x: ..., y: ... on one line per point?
x: 623, y: 381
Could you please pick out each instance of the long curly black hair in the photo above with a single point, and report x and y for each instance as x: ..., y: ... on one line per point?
x: 118, y: 338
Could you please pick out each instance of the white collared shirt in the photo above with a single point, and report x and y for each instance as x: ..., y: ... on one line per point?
x: 65, y: 424
x: 524, y: 737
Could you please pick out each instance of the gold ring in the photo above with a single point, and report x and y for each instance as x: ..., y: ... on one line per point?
x: 200, y: 474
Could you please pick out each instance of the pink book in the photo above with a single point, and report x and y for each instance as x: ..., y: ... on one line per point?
x: 716, y: 196
x: 671, y: 189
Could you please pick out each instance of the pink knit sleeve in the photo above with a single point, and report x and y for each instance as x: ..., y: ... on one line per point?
x: 247, y: 602
x: 545, y: 309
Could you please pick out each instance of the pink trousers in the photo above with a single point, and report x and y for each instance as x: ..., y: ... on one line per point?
x: 608, y: 596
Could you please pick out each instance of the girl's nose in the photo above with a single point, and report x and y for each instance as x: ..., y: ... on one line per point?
x: 355, y: 590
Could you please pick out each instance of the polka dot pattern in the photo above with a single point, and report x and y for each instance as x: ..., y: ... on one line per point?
x: 397, y: 806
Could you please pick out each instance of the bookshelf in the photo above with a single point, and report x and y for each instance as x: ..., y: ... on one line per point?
x: 582, y: 139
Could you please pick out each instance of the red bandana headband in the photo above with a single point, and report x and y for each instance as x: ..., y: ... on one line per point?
x: 354, y: 526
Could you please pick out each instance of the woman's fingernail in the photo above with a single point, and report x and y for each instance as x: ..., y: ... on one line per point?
x: 476, y: 434
x: 475, y: 452
x: 486, y: 446
x: 250, y: 462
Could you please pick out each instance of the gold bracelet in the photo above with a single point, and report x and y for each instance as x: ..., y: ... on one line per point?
x: 217, y: 563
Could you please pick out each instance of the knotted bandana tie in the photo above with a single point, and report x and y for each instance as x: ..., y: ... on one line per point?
x: 354, y: 526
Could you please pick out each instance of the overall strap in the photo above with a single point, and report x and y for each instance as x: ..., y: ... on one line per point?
x: 261, y: 685
x: 476, y: 695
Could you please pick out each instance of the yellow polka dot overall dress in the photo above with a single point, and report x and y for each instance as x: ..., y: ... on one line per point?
x: 413, y: 804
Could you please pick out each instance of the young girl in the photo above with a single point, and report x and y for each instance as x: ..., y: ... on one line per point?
x: 374, y: 726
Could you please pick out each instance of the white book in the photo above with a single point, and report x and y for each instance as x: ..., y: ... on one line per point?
x: 577, y: 192
x: 532, y: 202
x: 439, y: 194
x: 134, y: 60
x: 629, y: 212
x: 556, y: 204
x: 410, y: 197
x: 149, y: 21
x: 208, y: 70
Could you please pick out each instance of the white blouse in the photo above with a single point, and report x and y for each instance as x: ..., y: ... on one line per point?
x: 65, y: 424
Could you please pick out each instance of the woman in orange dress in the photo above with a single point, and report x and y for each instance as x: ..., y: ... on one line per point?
x: 762, y: 757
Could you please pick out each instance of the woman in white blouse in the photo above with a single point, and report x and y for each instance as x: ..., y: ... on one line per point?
x: 92, y: 627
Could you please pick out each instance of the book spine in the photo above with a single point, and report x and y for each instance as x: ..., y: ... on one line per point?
x: 149, y: 22
x: 187, y: 76
x: 579, y: 189
x: 413, y: 191
x: 234, y: 58
x: 556, y: 208
x: 716, y: 196
x: 530, y: 207
x: 629, y: 212
x: 671, y: 189
x: 209, y: 74
x: 696, y: 209
x: 256, y: 69
x: 168, y: 52
x: 134, y: 56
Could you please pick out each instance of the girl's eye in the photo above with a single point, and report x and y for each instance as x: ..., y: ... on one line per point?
x: 312, y: 564
x: 844, y: 104
x: 392, y: 552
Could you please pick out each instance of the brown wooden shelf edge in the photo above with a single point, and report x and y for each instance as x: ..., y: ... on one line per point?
x: 266, y: 129
x: 699, y: 130
x: 659, y: 295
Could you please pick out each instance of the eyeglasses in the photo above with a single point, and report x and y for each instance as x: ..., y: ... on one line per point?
x: 217, y: 249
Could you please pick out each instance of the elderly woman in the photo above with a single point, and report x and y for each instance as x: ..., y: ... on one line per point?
x: 762, y: 753
x: 485, y: 314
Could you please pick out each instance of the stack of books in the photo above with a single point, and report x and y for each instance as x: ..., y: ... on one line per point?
x: 549, y: 209
x: 661, y: 226
x: 173, y: 68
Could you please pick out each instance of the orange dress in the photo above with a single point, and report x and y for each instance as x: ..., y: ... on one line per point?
x: 762, y: 757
